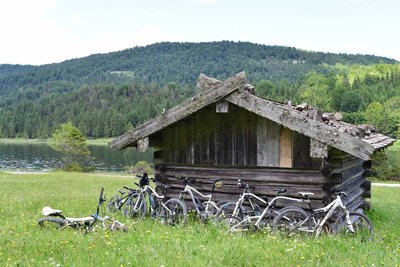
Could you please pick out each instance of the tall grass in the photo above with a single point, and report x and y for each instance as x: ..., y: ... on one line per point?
x: 148, y: 243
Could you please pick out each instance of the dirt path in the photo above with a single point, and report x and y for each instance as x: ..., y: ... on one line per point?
x: 388, y: 185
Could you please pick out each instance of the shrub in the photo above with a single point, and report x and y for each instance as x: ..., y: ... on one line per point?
x: 140, y: 167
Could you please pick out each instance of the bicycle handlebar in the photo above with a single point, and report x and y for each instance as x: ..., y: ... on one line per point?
x: 187, y: 180
x: 243, y: 185
x: 128, y: 188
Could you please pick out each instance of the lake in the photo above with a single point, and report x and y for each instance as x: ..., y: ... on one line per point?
x: 39, y: 157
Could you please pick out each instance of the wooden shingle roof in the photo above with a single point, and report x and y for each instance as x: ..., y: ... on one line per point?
x: 344, y: 136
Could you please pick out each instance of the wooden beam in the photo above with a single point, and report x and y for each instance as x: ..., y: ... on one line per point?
x: 204, y: 82
x: 143, y: 144
x: 181, y: 111
x: 318, y: 149
x: 296, y: 121
x: 256, y: 174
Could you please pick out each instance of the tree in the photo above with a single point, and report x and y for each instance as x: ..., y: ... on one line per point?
x: 382, y: 117
x: 68, y: 140
x: 315, y: 91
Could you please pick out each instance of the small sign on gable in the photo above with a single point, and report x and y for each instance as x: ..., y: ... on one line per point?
x: 222, y: 107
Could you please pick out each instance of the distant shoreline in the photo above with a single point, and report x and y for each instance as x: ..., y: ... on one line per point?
x: 102, y: 141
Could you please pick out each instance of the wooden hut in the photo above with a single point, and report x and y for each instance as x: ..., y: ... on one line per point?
x: 229, y: 133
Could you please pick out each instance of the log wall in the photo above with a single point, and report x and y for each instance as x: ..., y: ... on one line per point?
x: 263, y: 179
x: 351, y: 172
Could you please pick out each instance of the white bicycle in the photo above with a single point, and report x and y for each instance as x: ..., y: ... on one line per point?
x: 297, y: 220
x: 55, y: 218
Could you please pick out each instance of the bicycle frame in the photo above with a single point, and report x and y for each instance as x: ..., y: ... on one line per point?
x: 329, y: 210
x: 189, y: 190
x: 241, y: 199
x: 259, y: 218
x: 125, y: 197
x: 151, y: 193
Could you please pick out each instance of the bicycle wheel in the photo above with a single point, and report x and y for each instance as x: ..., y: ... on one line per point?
x: 290, y: 221
x: 362, y: 225
x: 227, y: 209
x: 136, y: 207
x: 232, y: 223
x: 113, y: 203
x: 173, y: 212
x: 55, y: 222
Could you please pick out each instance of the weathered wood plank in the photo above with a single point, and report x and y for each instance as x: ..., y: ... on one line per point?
x: 342, y: 164
x: 301, y: 153
x: 276, y: 175
x: 167, y: 150
x: 285, y: 151
x: 273, y: 143
x: 262, y: 147
x: 350, y: 184
x: 295, y: 121
x: 348, y: 174
x: 181, y: 111
x: 261, y: 190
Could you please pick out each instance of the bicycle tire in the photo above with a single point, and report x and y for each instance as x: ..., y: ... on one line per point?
x: 141, y: 208
x: 52, y: 221
x: 113, y: 204
x: 231, y: 221
x: 288, y: 221
x: 227, y: 209
x: 362, y: 225
x: 176, y: 213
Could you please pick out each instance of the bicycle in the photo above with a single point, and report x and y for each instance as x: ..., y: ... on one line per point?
x: 255, y: 219
x: 204, y: 209
x: 55, y: 218
x: 299, y: 221
x: 116, y: 202
x: 171, y: 212
x: 237, y: 209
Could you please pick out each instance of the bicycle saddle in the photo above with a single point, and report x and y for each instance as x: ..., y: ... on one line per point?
x: 47, y: 211
x: 306, y: 194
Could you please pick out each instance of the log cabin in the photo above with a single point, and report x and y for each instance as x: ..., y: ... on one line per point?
x: 229, y: 133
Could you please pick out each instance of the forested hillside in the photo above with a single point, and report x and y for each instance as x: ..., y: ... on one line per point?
x: 107, y: 94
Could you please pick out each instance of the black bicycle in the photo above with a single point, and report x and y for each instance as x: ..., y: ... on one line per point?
x: 116, y: 202
x: 171, y: 212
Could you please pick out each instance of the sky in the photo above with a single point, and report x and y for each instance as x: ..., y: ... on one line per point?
x: 49, y: 31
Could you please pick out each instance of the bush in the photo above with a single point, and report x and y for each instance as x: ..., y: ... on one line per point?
x: 140, y: 167
x: 383, y: 169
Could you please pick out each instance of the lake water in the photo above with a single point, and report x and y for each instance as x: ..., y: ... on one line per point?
x: 39, y: 157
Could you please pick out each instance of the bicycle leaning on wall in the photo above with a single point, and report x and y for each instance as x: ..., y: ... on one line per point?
x: 171, y: 212
x: 298, y: 220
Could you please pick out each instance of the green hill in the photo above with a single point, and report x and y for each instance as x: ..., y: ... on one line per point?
x: 106, y: 94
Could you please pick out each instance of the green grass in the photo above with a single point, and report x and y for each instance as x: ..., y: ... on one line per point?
x: 148, y: 243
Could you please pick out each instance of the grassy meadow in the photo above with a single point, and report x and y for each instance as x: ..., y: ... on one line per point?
x: 148, y: 243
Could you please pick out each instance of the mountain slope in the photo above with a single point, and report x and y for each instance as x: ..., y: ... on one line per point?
x: 182, y: 63
x: 107, y: 94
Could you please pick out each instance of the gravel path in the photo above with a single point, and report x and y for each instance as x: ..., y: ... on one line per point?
x: 388, y: 185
